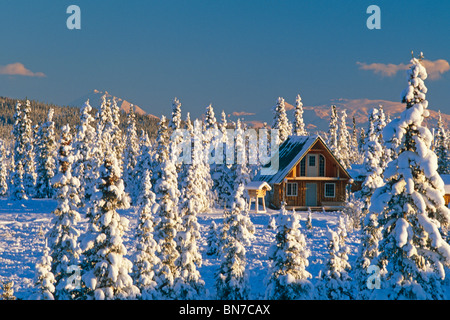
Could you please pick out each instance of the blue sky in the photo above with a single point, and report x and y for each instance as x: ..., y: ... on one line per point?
x: 237, y: 55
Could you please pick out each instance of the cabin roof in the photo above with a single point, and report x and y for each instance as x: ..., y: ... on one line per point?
x: 291, y: 152
x: 446, y: 179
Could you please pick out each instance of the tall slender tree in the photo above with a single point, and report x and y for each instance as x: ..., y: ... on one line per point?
x: 343, y: 151
x: 130, y: 156
x: 299, y: 124
x: 168, y: 219
x: 29, y: 164
x: 63, y: 236
x: 232, y: 280
x: 442, y: 148
x: 106, y: 271
x: 190, y: 285
x: 333, y: 130
x: 17, y: 188
x: 85, y: 165
x: 281, y: 121
x: 46, y: 156
x: 146, y: 260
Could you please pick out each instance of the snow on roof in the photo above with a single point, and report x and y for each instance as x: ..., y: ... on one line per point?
x: 446, y: 179
x: 357, y: 172
x: 257, y: 185
x: 290, y: 152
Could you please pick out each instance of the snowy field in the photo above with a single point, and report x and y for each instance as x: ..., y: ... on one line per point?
x: 23, y: 226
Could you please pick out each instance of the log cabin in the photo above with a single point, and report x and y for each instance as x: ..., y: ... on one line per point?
x: 308, y: 175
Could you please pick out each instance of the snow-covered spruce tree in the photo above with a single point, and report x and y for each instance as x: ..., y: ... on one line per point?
x: 241, y: 172
x: 212, y: 240
x: 210, y: 118
x: 44, y: 279
x: 352, y: 209
x: 299, y: 125
x: 84, y: 147
x: 287, y: 278
x: 117, y: 141
x: 442, y: 148
x: 194, y: 187
x: 45, y: 155
x: 145, y: 259
x: 222, y: 176
x: 189, y: 284
x: 205, y: 183
x: 372, y: 155
x: 104, y: 119
x: 175, y: 121
x: 368, y: 251
x: 362, y: 141
x: 3, y: 170
x: 343, y: 151
x: 309, y: 225
x: 177, y: 135
x: 105, y: 270
x: 333, y: 130
x: 144, y: 159
x: 167, y: 220
x: 334, y: 281
x: 130, y: 156
x: 100, y: 146
x: 355, y: 156
x: 63, y: 236
x: 380, y: 124
x: 162, y: 151
x: 184, y: 138
x: 410, y: 206
x: 342, y: 234
x: 232, y: 281
x: 281, y: 121
x: 17, y: 189
x: 29, y: 164
x: 7, y: 291
x: 272, y: 225
x: 210, y: 140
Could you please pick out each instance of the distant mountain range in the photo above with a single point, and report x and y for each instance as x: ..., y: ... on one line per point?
x: 95, y: 100
x: 317, y: 118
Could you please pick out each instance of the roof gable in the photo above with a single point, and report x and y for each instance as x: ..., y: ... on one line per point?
x: 290, y: 154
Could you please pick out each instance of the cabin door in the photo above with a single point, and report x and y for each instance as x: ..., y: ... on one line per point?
x: 311, y: 195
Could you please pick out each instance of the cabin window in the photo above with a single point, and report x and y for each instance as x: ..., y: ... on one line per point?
x: 330, y: 190
x: 312, y: 161
x: 291, y: 189
x: 321, y: 166
x: 303, y: 167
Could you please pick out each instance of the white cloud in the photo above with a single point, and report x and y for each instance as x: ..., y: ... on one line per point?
x: 20, y: 70
x: 434, y: 68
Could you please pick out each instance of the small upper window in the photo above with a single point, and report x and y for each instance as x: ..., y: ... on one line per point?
x: 303, y: 168
x: 321, y: 166
x: 312, y: 161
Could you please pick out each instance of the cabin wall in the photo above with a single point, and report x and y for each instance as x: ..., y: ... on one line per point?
x: 331, y: 167
x: 300, y: 199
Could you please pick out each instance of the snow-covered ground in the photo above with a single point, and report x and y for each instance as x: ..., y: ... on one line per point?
x: 23, y: 226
